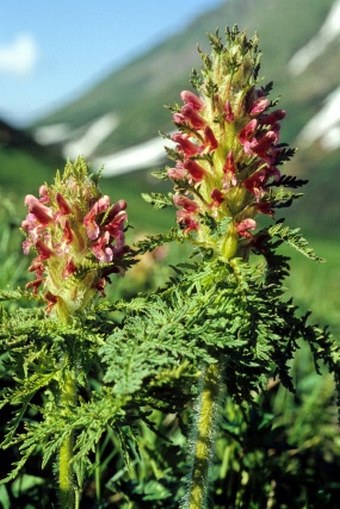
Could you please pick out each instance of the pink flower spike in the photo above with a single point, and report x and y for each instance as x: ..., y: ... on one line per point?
x: 189, y: 97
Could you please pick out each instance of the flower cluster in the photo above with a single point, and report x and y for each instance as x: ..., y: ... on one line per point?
x: 78, y: 237
x: 227, y: 147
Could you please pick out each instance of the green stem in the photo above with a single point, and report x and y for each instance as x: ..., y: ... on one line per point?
x: 66, y: 485
x: 204, y: 439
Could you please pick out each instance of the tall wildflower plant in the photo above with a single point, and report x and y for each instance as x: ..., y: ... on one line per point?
x: 79, y: 371
x: 227, y: 187
x: 78, y: 239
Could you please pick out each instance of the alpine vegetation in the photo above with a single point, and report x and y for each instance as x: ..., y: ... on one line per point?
x: 89, y: 378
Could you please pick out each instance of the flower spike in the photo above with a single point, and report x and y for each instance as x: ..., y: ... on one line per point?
x: 78, y: 237
x: 228, y: 148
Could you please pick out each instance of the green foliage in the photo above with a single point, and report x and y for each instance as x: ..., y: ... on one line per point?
x: 130, y: 357
x: 295, y: 239
x: 13, y: 265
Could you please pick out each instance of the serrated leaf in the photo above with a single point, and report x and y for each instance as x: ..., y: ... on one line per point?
x: 294, y: 238
x: 158, y: 200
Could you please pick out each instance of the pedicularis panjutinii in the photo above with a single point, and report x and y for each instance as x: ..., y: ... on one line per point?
x: 228, y: 149
x: 84, y: 374
x: 79, y: 239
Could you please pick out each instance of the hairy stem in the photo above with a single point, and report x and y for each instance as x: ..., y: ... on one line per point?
x: 66, y: 486
x: 204, y: 437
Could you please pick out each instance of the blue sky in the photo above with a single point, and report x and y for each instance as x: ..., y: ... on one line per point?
x: 51, y: 51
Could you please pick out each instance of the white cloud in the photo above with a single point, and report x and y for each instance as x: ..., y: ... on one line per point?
x: 20, y: 56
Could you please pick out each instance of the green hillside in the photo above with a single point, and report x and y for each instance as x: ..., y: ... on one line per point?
x: 138, y: 91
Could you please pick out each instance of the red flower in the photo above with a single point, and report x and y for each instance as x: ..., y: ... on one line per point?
x: 185, y: 145
x: 192, y: 99
x: 196, y: 171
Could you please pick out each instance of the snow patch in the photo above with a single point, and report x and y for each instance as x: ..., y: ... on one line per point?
x: 55, y: 133
x: 93, y: 137
x: 325, y: 125
x: 329, y: 30
x: 144, y: 155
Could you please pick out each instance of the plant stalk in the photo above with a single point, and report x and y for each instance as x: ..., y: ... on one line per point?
x: 203, y: 443
x: 66, y: 484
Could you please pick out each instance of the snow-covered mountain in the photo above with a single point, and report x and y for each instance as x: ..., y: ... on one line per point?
x: 126, y: 108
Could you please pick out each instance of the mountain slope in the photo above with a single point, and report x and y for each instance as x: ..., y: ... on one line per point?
x: 23, y: 162
x: 136, y: 93
x: 301, y: 45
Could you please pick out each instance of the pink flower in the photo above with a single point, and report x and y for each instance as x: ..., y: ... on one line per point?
x: 62, y: 204
x: 229, y: 115
x: 258, y: 106
x: 244, y: 226
x: 196, y: 171
x: 229, y: 165
x: 210, y: 139
x: 187, y: 220
x: 190, y: 115
x: 92, y: 228
x: 247, y: 136
x: 217, y: 197
x: 186, y: 203
x: 185, y: 145
x: 41, y: 213
x: 192, y: 99
x: 177, y: 173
